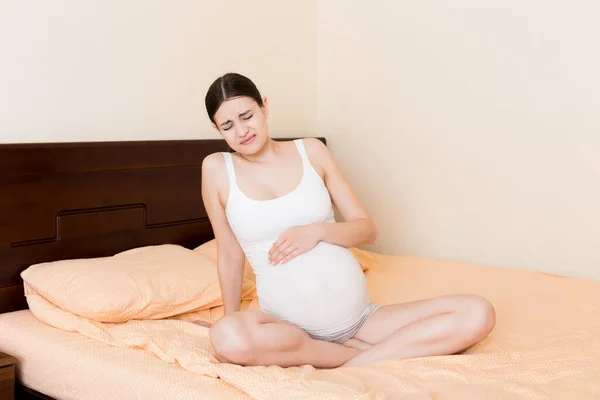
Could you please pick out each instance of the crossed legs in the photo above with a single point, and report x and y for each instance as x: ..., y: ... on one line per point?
x: 255, y: 338
x: 439, y: 326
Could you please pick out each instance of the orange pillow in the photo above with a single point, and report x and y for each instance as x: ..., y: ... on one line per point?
x: 150, y: 282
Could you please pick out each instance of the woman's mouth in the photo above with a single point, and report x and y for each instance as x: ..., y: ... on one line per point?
x: 248, y: 140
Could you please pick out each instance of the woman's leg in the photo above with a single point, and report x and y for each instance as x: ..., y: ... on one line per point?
x: 255, y: 338
x: 440, y: 326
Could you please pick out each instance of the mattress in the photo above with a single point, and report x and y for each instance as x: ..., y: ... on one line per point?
x: 546, y: 345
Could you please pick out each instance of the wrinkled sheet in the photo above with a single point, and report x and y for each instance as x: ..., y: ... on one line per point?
x: 70, y: 366
x: 546, y: 344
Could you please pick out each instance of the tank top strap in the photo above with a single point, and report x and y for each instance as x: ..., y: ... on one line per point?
x: 230, y: 170
x: 300, y: 146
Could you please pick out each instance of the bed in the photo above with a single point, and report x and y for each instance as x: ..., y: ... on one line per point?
x: 72, y: 200
x: 85, y: 200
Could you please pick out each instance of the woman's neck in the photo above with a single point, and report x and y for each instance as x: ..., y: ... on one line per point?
x: 266, y: 154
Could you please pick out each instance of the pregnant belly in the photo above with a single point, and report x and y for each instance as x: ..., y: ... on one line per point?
x: 322, y: 289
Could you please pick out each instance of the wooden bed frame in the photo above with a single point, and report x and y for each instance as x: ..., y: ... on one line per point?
x: 80, y: 200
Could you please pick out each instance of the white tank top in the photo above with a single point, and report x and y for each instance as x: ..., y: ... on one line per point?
x: 323, y: 290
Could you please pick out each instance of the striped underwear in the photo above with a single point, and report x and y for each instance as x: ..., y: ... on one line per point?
x: 349, y: 332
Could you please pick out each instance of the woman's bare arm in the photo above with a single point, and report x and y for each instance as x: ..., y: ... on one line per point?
x: 230, y: 257
x: 357, y: 228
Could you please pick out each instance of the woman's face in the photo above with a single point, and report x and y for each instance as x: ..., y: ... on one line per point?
x: 243, y: 124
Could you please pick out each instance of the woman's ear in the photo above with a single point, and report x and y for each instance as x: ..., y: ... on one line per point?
x: 265, y: 107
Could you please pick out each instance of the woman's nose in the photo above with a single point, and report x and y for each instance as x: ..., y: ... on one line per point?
x: 242, y: 129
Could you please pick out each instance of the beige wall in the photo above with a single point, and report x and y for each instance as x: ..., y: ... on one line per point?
x: 471, y: 129
x: 138, y: 70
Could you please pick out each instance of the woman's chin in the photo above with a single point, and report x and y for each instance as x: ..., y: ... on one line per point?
x: 250, y: 148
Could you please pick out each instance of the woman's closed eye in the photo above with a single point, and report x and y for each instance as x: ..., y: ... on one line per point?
x: 246, y: 118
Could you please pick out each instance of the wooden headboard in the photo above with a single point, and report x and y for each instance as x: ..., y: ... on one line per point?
x: 75, y: 200
x: 80, y: 200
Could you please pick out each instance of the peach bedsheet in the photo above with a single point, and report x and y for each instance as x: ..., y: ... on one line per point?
x: 546, y: 344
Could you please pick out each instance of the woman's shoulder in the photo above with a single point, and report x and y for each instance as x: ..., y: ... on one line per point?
x: 313, y: 144
x: 318, y: 155
x: 214, y: 176
x: 213, y: 162
x: 317, y: 151
x: 214, y: 169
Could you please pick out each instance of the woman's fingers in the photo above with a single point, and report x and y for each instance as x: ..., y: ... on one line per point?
x: 276, y: 248
x: 278, y: 243
x: 290, y: 256
x: 283, y: 252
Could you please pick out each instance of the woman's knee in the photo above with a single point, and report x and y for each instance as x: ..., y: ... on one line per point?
x: 232, y: 340
x: 477, y: 318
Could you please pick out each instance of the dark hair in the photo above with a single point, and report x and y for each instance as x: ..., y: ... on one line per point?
x: 226, y: 87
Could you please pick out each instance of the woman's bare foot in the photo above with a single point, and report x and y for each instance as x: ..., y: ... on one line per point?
x: 350, y: 363
x: 357, y: 344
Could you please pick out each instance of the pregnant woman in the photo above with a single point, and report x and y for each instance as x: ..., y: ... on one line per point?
x: 272, y: 203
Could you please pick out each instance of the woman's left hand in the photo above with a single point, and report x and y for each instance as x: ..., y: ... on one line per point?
x: 293, y: 242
